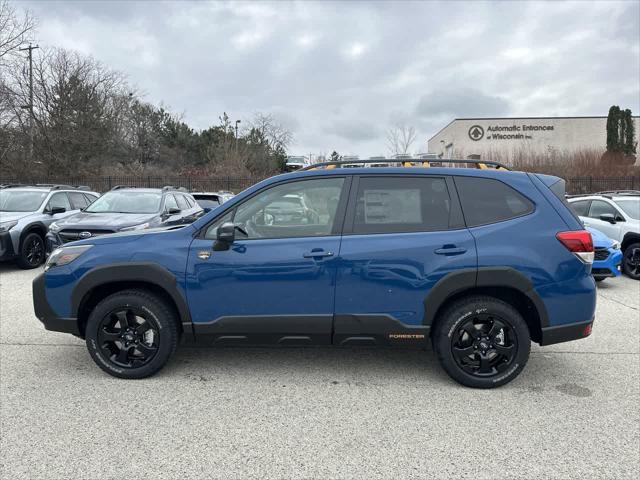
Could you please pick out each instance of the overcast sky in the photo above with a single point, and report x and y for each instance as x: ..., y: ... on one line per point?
x: 340, y: 73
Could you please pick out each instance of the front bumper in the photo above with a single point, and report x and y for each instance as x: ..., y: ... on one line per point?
x: 6, y: 246
x: 566, y: 333
x: 45, y: 313
x: 52, y: 241
x: 609, y: 267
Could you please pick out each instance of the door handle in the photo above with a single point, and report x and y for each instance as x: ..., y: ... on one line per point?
x: 449, y: 250
x: 317, y: 254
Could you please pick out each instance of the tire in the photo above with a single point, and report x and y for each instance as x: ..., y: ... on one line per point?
x: 599, y: 279
x: 32, y: 251
x: 121, y: 323
x: 631, y: 261
x: 460, y: 338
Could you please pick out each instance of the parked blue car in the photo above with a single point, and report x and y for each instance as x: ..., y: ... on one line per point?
x: 607, y: 256
x: 476, y: 262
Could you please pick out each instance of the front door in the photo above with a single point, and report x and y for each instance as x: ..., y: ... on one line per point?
x: 599, y: 207
x: 276, y: 282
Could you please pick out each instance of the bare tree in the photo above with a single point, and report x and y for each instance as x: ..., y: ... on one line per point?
x: 275, y: 132
x: 400, y: 137
x: 15, y: 30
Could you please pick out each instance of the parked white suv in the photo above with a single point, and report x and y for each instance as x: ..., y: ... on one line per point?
x: 617, y: 215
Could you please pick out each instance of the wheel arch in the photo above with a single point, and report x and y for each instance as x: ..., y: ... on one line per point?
x: 628, y: 239
x: 35, y: 227
x: 503, y: 283
x: 100, y: 282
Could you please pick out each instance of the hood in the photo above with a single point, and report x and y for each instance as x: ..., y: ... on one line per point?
x: 600, y: 240
x: 127, y: 237
x: 11, y: 216
x: 99, y: 221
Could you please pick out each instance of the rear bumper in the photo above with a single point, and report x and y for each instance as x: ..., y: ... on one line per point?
x: 45, y: 313
x: 566, y: 333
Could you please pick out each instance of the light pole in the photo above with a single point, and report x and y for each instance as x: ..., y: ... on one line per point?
x: 237, y: 122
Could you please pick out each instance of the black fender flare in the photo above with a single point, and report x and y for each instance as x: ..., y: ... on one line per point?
x: 469, y: 278
x: 38, y: 227
x: 147, y: 272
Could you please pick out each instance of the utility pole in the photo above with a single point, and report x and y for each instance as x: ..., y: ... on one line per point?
x: 237, y: 122
x: 30, y: 48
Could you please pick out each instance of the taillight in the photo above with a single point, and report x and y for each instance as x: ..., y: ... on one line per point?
x: 579, y: 242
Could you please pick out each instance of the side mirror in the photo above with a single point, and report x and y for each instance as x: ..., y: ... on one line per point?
x: 173, y: 211
x: 225, y: 236
x: 608, y: 217
x: 55, y: 210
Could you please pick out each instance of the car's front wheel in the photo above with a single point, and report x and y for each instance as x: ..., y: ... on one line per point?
x: 631, y: 261
x: 31, y: 251
x: 132, y: 334
x: 482, y: 342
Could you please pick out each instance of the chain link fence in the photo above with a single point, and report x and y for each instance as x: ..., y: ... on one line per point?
x: 575, y: 185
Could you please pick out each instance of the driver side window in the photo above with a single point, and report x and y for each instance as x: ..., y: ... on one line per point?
x: 306, y: 208
x: 58, y: 200
x: 170, y: 202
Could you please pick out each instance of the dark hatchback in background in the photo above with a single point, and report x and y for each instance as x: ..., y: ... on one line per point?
x: 124, y: 209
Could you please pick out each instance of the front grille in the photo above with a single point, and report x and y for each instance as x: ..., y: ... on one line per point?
x: 601, y: 253
x: 69, y: 235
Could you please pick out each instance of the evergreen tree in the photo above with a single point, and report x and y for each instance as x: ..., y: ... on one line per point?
x: 629, y: 146
x: 613, y: 129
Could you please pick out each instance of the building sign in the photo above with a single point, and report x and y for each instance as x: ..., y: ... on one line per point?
x: 511, y: 132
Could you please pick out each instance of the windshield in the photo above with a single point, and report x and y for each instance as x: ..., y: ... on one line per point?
x: 21, y: 200
x: 126, y: 202
x: 631, y: 207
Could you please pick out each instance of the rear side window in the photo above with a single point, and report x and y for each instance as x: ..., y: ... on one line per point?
x: 580, y: 207
x: 78, y: 200
x: 485, y: 200
x: 401, y: 204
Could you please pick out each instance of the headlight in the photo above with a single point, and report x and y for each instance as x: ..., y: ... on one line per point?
x: 65, y: 255
x: 54, y: 227
x: 142, y: 226
x: 6, y: 226
x: 615, y: 245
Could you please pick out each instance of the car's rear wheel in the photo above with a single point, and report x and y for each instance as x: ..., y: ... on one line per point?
x: 482, y: 342
x: 631, y: 261
x: 132, y: 334
x: 31, y: 251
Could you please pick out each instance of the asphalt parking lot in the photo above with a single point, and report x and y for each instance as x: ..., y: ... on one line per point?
x: 318, y: 413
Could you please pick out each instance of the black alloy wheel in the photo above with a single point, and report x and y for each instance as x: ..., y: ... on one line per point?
x: 32, y: 252
x: 132, y: 333
x: 128, y: 337
x: 631, y: 262
x: 481, y: 341
x: 484, y: 345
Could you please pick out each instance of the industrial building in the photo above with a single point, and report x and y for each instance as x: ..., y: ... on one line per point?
x: 505, y: 137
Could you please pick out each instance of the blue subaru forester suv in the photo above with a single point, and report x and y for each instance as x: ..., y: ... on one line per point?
x: 477, y: 262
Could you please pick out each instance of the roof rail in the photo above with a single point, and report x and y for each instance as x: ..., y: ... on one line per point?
x: 120, y: 187
x: 172, y: 187
x: 618, y: 192
x: 481, y: 164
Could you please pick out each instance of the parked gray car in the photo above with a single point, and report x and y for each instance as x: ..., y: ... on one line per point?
x: 26, y: 211
x: 124, y: 209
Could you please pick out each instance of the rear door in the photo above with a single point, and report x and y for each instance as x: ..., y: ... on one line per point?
x: 402, y: 234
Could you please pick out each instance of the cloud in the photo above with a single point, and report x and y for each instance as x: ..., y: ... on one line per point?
x: 341, y: 73
x: 461, y: 102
